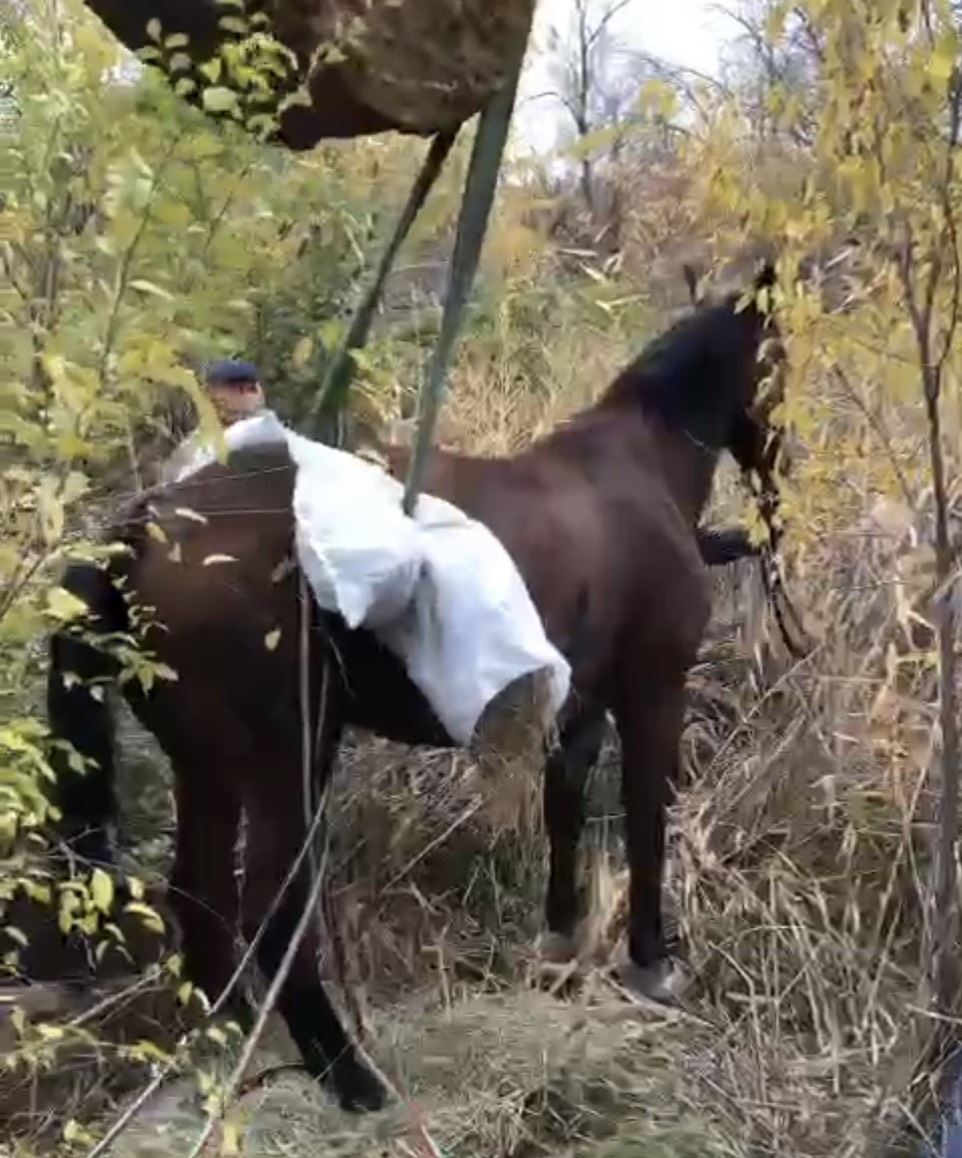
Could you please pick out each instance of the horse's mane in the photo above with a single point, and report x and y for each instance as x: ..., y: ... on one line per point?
x: 683, y: 374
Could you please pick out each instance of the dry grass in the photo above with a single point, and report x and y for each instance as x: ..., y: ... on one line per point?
x: 513, y: 1074
x: 795, y: 887
x: 797, y: 883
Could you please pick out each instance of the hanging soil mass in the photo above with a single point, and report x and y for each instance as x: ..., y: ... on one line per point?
x: 416, y: 66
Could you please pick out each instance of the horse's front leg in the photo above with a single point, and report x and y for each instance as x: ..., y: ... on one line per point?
x: 649, y: 719
x: 566, y: 773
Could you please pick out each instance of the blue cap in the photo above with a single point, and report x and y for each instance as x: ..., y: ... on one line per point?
x: 230, y: 370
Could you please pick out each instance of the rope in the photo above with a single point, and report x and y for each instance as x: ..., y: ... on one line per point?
x: 324, y: 417
x: 479, y: 189
x: 314, y: 748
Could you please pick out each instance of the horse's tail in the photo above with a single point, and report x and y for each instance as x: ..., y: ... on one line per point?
x: 79, y: 717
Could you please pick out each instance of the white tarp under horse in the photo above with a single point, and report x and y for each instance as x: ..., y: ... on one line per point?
x: 438, y: 589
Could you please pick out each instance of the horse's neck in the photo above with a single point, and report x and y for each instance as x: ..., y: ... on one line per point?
x: 628, y: 434
x: 689, y: 467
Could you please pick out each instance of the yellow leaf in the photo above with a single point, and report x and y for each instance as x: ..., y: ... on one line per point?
x: 101, y: 890
x: 272, y: 639
x: 51, y: 512
x: 158, y: 534
x: 63, y: 606
x: 943, y: 58
x: 187, y: 513
x: 302, y: 351
x: 148, y: 287
x: 75, y: 484
x: 230, y: 1140
x: 282, y: 570
x: 18, y: 1019
x: 152, y: 920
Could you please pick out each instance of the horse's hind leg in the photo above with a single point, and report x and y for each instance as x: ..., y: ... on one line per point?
x: 649, y: 723
x: 566, y: 773
x: 275, y: 836
x: 203, y: 888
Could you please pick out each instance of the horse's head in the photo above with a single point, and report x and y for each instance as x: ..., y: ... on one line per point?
x: 757, y: 438
x: 717, y: 374
x: 744, y: 360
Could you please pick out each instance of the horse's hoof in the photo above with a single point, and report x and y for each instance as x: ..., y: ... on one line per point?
x: 556, y: 948
x: 664, y: 981
x: 359, y: 1089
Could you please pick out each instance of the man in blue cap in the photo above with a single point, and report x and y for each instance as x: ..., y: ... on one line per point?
x: 235, y: 392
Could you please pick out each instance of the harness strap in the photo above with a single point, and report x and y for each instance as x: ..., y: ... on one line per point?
x: 479, y: 189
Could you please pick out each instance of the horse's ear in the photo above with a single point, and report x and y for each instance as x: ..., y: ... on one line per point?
x: 691, y: 280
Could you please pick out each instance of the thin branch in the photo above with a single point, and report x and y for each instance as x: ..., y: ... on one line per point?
x: 948, y: 210
x: 877, y: 424
x: 605, y: 20
x: 267, y: 1006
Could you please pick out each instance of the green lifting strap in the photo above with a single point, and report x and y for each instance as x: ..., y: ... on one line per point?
x: 479, y: 189
x: 324, y: 417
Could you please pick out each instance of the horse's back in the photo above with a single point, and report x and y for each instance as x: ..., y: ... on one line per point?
x: 550, y: 518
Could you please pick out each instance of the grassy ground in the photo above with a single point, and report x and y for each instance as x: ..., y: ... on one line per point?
x: 498, y: 1074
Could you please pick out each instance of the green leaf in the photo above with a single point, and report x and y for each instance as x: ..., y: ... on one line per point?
x: 236, y: 24
x: 151, y: 918
x: 102, y: 890
x: 218, y: 99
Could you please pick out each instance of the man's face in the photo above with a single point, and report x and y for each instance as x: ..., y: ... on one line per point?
x: 235, y: 400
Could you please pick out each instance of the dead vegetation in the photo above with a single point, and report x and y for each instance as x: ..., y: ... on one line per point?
x: 798, y: 886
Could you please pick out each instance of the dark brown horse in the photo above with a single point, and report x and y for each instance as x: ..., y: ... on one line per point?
x: 601, y: 518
